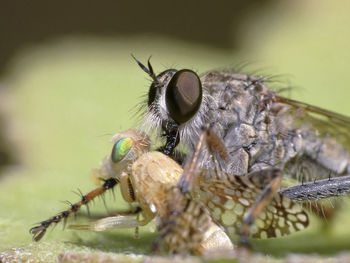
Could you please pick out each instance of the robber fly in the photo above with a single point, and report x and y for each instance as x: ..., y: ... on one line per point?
x: 259, y: 130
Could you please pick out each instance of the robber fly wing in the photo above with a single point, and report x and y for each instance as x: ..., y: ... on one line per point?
x: 229, y: 200
x: 327, y: 123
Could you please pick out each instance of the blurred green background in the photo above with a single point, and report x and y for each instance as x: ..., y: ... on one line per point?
x: 68, y: 83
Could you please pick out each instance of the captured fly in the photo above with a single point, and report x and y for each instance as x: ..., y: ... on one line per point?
x: 187, y: 223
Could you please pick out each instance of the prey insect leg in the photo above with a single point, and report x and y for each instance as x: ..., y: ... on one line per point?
x: 39, y: 231
x: 111, y: 222
x: 127, y: 212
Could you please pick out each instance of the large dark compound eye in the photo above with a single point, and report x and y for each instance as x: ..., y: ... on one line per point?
x: 154, y: 89
x: 183, y: 95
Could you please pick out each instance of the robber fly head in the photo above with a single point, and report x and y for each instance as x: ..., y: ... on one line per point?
x: 174, y: 94
x: 177, y: 103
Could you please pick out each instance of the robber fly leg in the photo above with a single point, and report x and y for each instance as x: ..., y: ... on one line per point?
x: 320, y: 189
x: 39, y: 231
x: 262, y: 201
x: 185, y: 227
x: 211, y: 140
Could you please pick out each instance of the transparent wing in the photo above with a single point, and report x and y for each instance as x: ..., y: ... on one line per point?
x: 327, y: 123
x: 229, y: 200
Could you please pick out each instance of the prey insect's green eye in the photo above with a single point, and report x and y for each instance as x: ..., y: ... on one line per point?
x: 120, y: 149
x: 183, y: 95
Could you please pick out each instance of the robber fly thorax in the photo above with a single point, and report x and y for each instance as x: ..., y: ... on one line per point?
x: 259, y: 128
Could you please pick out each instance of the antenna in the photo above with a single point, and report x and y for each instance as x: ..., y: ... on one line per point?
x: 148, y: 70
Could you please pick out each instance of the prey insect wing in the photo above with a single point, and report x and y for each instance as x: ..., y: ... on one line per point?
x: 229, y: 200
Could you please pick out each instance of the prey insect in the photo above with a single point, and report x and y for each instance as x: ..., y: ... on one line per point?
x: 259, y: 130
x: 148, y: 178
x: 194, y: 214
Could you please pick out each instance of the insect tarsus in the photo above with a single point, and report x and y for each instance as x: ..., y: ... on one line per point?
x: 39, y: 231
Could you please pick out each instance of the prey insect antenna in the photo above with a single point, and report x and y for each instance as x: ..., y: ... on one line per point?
x: 39, y: 231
